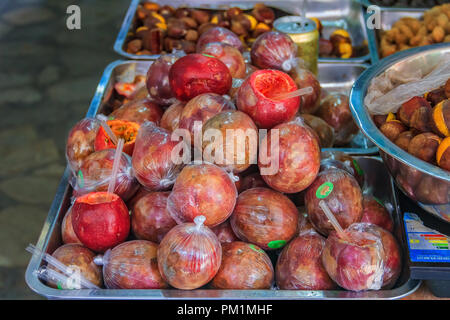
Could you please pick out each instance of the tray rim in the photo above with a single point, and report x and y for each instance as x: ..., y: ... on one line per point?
x: 126, y: 26
x: 368, y: 3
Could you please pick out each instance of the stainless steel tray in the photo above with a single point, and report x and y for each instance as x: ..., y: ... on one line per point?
x: 367, y: 3
x: 388, y: 18
x: 346, y: 14
x: 50, y: 239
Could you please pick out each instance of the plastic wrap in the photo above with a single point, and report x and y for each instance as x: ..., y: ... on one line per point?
x: 152, y: 160
x: 264, y: 217
x: 388, y: 91
x: 299, y: 266
x: 158, y: 85
x: 324, y: 131
x: 224, y: 232
x: 67, y: 233
x: 189, y: 256
x: 202, y: 189
x: 112, y: 130
x: 80, y: 142
x: 150, y: 219
x: 252, y: 180
x: 131, y: 265
x: 138, y: 111
x: 244, y: 266
x: 219, y: 34
x: 229, y: 55
x: 297, y: 157
x: 341, y: 192
x: 341, y: 160
x: 100, y: 220
x: 236, y: 148
x: 171, y: 116
x: 304, y: 78
x: 257, y: 97
x: 95, y: 175
x: 335, y: 110
x: 304, y: 223
x: 376, y: 213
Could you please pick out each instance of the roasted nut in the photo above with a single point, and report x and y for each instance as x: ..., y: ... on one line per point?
x: 141, y: 12
x: 392, y: 129
x: 191, y: 35
x: 201, y: 16
x: 188, y: 46
x: 424, y: 146
x: 436, y: 96
x: 440, y: 118
x: 167, y: 11
x: 325, y: 47
x: 190, y: 22
x: 404, y: 139
x: 182, y: 12
x: 224, y: 24
x: 153, y: 41
x: 260, y: 29
x: 407, y: 109
x: 232, y: 12
x: 177, y: 29
x: 141, y: 31
x: 134, y: 46
x: 342, y: 43
x: 238, y: 28
x: 263, y: 13
x: 438, y: 34
x: 205, y: 27
x: 443, y: 154
x: 170, y: 44
x: 420, y: 119
x: 318, y: 24
x: 379, y: 119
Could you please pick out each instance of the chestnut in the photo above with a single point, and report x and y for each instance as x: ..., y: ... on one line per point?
x: 440, y: 118
x: 443, y: 154
x: 404, y: 139
x: 407, y: 109
x: 420, y: 119
x: 392, y: 129
x: 424, y: 146
x: 436, y: 96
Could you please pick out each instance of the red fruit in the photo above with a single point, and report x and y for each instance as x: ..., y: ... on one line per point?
x: 171, y: 116
x: 95, y: 175
x: 67, y: 233
x: 195, y: 74
x: 257, y: 98
x: 80, y: 142
x: 100, y: 220
x: 122, y: 129
x: 264, y: 217
x: 152, y: 160
x: 304, y: 78
x: 343, y: 161
x: 158, y: 85
x: 229, y: 55
x: 298, y: 157
x: 244, y: 266
x: 253, y: 180
x: 222, y: 35
x: 274, y: 50
x: 341, y: 192
x: 132, y: 265
x: 374, y: 212
x: 150, y: 219
x: 202, y: 189
x: 138, y: 111
x: 224, y: 232
x: 189, y: 255
x: 304, y: 223
x: 300, y: 267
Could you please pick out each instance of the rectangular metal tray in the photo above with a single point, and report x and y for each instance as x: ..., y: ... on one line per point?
x: 367, y: 3
x: 346, y: 14
x: 388, y: 18
x: 50, y: 239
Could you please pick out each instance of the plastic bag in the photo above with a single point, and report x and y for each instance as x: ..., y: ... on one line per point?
x: 138, y: 111
x: 224, y: 232
x: 304, y: 224
x: 202, y: 189
x: 67, y: 233
x: 152, y: 159
x: 189, y: 256
x: 299, y: 266
x: 131, y: 265
x: 244, y: 266
x: 388, y: 91
x: 219, y: 34
x: 157, y: 82
x: 80, y: 142
x: 171, y: 116
x: 229, y: 55
x: 264, y: 217
x: 341, y: 160
x: 375, y: 212
x: 150, y: 219
x: 95, y: 175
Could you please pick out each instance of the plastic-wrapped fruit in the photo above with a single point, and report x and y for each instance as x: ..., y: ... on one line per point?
x: 138, y: 111
x: 274, y: 50
x: 323, y: 130
x: 189, y: 256
x: 224, y: 232
x: 202, y: 108
x: 79, y: 258
x: 264, y: 217
x: 122, y: 129
x: 152, y: 159
x: 304, y: 224
x: 350, y: 163
x: 158, y: 85
x: 150, y: 219
x: 67, y: 233
x: 236, y: 147
x: 132, y: 265
x: 229, y: 55
x: 244, y: 266
x: 299, y: 266
x: 298, y: 157
x: 100, y: 220
x: 304, y: 78
x: 196, y: 73
x: 341, y: 192
x: 252, y: 180
x: 355, y: 262
x: 95, y: 175
x: 80, y: 142
x: 375, y: 212
x: 202, y: 189
x: 171, y: 117
x: 219, y: 34
x: 258, y: 94
x: 335, y: 110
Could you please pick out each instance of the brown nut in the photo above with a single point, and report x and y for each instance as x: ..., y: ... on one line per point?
x: 232, y: 12
x: 170, y: 44
x: 260, y: 29
x: 443, y: 154
x: 392, y: 129
x: 318, y: 24
x: 424, y: 146
x: 438, y: 34
x: 188, y: 46
x: 153, y: 41
x: 201, y: 16
x: 263, y: 13
x: 177, y: 29
x: 141, y: 31
x: 404, y: 139
x: 325, y: 47
x: 420, y: 120
x: 191, y: 35
x: 447, y: 89
x: 134, y: 46
x: 238, y: 28
x: 151, y: 6
x: 167, y: 11
x: 407, y: 109
x: 205, y: 27
x: 190, y: 22
x: 182, y: 12
x: 379, y: 119
x: 436, y: 96
x: 440, y: 118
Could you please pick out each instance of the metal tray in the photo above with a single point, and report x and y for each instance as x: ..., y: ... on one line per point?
x: 388, y: 18
x: 50, y: 239
x: 346, y: 14
x: 367, y: 3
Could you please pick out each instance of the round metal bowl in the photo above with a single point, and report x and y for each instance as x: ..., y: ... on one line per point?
x: 424, y: 183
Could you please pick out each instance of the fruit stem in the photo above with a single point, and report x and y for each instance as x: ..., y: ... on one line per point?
x: 115, y: 169
x: 293, y: 94
x: 332, y: 219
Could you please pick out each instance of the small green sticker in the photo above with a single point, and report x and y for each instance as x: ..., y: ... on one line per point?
x: 275, y: 244
x: 255, y: 248
x: 358, y: 168
x: 80, y: 179
x: 324, y: 190
x: 208, y: 55
x: 110, y: 118
x: 59, y: 286
x: 379, y: 201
